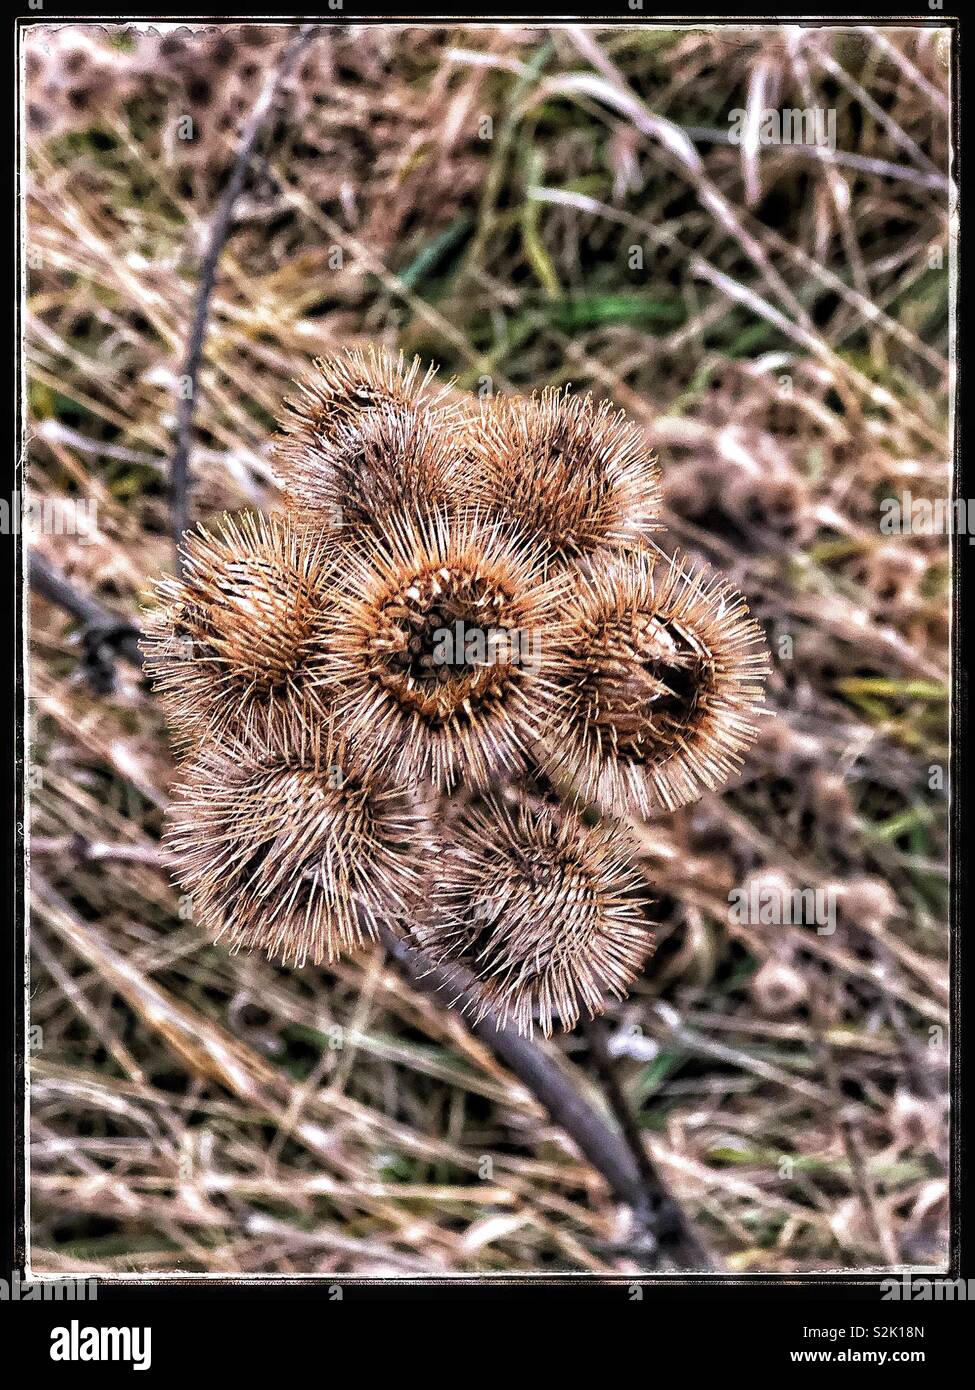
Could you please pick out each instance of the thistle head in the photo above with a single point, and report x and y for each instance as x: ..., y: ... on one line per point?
x: 664, y: 676
x: 575, y: 473
x: 368, y: 468
x: 446, y: 639
x: 349, y: 384
x: 545, y: 912
x: 296, y: 852
x: 325, y: 439
x: 236, y: 647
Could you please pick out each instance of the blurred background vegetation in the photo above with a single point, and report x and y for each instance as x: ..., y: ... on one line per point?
x: 523, y: 207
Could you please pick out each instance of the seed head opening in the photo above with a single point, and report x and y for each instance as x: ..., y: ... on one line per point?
x: 446, y: 642
x: 545, y: 912
x: 664, y: 677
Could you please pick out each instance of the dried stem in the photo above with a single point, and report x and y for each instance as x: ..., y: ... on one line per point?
x: 105, y: 631
x: 219, y: 231
x: 669, y: 1238
x: 595, y: 1034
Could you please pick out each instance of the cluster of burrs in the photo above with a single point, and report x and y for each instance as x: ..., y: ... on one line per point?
x: 430, y: 691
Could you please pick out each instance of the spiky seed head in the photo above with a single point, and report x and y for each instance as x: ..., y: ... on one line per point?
x: 445, y: 647
x: 341, y: 394
x: 386, y: 459
x: 576, y: 473
x: 665, y: 676
x: 545, y: 912
x: 296, y: 853
x: 236, y: 648
x: 351, y: 383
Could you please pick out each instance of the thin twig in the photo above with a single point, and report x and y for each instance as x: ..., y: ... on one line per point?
x: 595, y: 1035
x: 105, y: 631
x: 75, y: 848
x: 219, y: 231
x: 847, y: 159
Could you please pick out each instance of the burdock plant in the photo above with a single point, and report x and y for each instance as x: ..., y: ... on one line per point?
x: 430, y: 691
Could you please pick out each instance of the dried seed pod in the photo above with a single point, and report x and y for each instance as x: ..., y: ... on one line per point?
x: 345, y: 390
x: 778, y: 988
x: 297, y: 853
x: 773, y: 499
x: 237, y: 648
x: 446, y: 642
x: 866, y: 904
x: 664, y: 677
x: 344, y: 387
x: 916, y: 1122
x: 545, y: 912
x: 368, y: 467
x: 578, y: 474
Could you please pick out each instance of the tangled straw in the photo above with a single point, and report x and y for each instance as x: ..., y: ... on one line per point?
x: 407, y: 697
